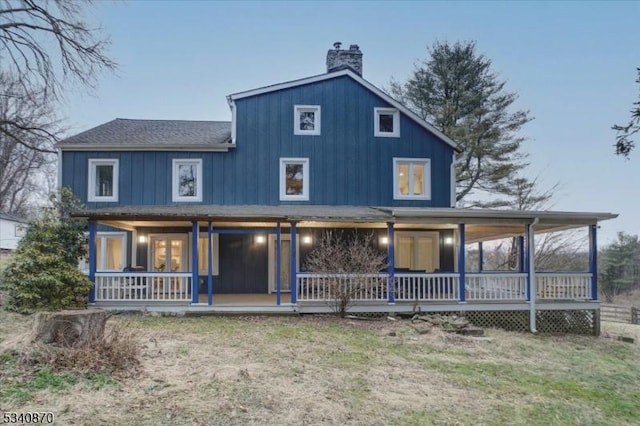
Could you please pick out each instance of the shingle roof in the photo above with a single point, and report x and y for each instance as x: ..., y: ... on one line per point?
x: 146, y: 133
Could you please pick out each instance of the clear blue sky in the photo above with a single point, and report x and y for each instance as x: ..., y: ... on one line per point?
x: 572, y: 64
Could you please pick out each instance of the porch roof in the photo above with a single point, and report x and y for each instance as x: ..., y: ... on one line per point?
x: 482, y: 224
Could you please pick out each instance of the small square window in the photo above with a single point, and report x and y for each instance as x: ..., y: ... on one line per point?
x: 411, y: 179
x: 294, y: 179
x: 187, y: 180
x: 103, y: 180
x: 387, y: 122
x: 306, y: 120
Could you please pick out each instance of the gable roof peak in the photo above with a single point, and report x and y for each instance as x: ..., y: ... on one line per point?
x: 347, y: 71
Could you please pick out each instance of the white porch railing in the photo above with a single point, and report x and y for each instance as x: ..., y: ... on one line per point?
x: 570, y: 285
x: 427, y: 287
x: 496, y: 286
x: 143, y: 286
x: 325, y: 287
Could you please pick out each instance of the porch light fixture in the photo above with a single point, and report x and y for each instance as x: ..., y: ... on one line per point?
x: 260, y: 239
x: 384, y: 241
x: 448, y: 241
x: 142, y: 239
x: 307, y: 239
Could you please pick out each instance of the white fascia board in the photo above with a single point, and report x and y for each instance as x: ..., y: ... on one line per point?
x: 501, y: 214
x: 362, y: 81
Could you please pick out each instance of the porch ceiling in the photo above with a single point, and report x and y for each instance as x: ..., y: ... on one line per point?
x: 481, y: 224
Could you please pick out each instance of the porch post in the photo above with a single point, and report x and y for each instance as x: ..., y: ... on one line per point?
x: 521, y: 258
x: 92, y: 260
x: 278, y: 263
x: 390, y: 261
x: 461, y: 265
x: 480, y: 257
x: 525, y: 262
x: 593, y: 260
x: 293, y: 274
x: 532, y: 293
x: 194, y: 261
x: 210, y: 262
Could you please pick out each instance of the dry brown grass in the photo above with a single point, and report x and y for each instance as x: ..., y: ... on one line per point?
x: 322, y: 370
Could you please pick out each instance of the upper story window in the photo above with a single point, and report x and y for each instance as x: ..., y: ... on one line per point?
x: 187, y: 180
x: 103, y: 179
x: 386, y: 122
x: 306, y: 119
x: 294, y: 179
x: 411, y: 179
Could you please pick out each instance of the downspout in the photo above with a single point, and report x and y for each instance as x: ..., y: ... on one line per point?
x: 533, y: 291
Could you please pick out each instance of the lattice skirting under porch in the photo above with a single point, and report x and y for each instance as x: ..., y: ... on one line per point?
x: 585, y: 322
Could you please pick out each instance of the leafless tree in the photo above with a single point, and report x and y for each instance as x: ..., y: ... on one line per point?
x: 45, y: 45
x: 351, y: 264
x: 28, y: 130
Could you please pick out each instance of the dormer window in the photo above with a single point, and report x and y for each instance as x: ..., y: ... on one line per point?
x: 306, y: 120
x: 103, y: 180
x: 387, y: 122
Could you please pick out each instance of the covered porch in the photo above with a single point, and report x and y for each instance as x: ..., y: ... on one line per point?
x: 426, y: 256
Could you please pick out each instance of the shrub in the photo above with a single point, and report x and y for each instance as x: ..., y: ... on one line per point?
x: 43, y: 272
x: 351, y: 264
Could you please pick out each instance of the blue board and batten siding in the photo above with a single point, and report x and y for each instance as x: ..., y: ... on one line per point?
x: 348, y: 165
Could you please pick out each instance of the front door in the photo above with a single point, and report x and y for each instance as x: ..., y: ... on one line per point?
x: 168, y: 253
x: 285, y: 263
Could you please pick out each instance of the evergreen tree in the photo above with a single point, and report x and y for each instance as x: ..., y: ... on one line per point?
x: 43, y: 274
x: 457, y: 91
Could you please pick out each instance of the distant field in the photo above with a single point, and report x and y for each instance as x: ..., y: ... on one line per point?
x: 322, y: 370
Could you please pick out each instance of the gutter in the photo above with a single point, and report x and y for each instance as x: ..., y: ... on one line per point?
x: 533, y: 287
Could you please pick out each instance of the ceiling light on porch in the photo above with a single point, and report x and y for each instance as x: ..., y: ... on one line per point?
x: 448, y: 241
x: 384, y: 241
x: 307, y: 239
x: 142, y: 239
x: 260, y: 239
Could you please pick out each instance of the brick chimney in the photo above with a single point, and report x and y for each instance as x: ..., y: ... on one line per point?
x: 338, y: 59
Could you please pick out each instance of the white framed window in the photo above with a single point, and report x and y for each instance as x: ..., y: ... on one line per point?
x: 386, y: 122
x: 111, y: 252
x: 306, y: 120
x: 187, y: 179
x: 417, y: 251
x: 294, y: 179
x: 411, y: 179
x: 103, y: 179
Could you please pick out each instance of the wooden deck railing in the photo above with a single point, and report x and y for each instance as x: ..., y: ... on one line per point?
x: 427, y: 287
x: 142, y: 286
x: 496, y: 286
x: 485, y: 286
x: 325, y: 287
x: 567, y: 285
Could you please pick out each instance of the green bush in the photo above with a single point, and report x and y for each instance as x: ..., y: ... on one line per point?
x: 43, y: 273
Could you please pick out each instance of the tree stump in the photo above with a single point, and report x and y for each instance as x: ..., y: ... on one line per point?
x: 69, y: 328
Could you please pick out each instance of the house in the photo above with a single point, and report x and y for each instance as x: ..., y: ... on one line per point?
x: 12, y: 230
x: 219, y: 216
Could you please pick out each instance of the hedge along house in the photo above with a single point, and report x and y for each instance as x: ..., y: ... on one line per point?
x: 220, y: 216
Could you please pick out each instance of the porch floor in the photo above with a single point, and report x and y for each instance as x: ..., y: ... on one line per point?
x: 252, y: 299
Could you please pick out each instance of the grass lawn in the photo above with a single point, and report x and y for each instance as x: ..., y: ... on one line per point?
x: 322, y: 370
